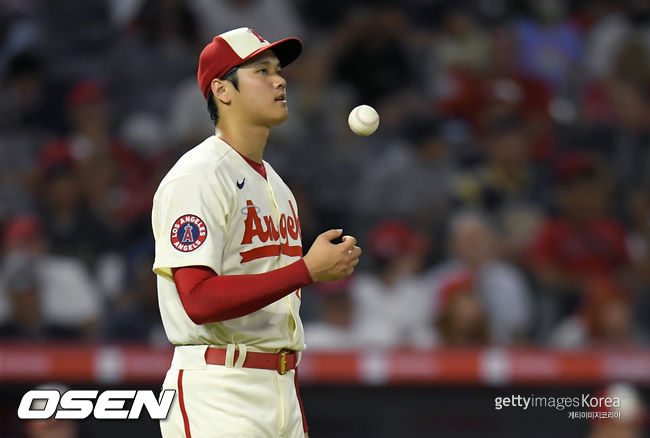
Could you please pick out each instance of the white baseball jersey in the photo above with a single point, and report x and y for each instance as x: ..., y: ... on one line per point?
x: 213, y: 209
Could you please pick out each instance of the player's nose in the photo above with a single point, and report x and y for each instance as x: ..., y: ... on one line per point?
x: 280, y: 82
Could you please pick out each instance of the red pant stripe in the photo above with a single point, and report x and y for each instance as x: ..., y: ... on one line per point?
x: 302, y: 410
x: 181, y: 402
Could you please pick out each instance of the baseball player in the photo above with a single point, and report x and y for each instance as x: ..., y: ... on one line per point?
x: 229, y: 258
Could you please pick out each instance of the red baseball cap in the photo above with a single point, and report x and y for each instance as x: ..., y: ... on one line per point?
x: 574, y: 164
x: 87, y: 90
x: 394, y: 238
x: 233, y: 48
x: 454, y: 284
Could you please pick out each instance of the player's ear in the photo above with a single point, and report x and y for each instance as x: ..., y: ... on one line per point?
x: 220, y: 91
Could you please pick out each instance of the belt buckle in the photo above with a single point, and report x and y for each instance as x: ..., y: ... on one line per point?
x: 282, y: 362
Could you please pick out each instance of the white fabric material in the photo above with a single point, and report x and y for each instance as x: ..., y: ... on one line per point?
x: 69, y: 294
x: 243, y: 41
x: 206, y: 183
x: 231, y: 402
x: 394, y: 315
x: 324, y: 336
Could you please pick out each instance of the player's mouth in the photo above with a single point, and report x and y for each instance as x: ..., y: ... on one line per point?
x: 281, y: 98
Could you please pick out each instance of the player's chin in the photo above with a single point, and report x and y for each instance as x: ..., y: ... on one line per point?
x: 280, y: 117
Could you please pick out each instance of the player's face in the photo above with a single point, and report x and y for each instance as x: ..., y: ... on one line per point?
x: 262, y: 91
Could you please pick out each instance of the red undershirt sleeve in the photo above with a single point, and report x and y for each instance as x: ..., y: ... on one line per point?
x: 208, y: 297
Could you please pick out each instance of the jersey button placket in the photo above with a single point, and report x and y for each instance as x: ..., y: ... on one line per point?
x: 292, y: 321
x: 276, y: 216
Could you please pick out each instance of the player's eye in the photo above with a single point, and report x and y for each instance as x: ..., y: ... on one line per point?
x: 263, y: 70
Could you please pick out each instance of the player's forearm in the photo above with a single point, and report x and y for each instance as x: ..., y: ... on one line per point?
x: 208, y: 297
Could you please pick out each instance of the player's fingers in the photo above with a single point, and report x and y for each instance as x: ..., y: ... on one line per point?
x: 354, y: 262
x: 349, y: 240
x: 330, y: 235
x: 348, y: 243
x: 354, y: 252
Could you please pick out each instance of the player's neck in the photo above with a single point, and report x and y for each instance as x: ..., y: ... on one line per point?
x: 250, y: 141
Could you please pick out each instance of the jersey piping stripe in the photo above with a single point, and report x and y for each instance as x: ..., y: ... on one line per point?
x: 181, y: 402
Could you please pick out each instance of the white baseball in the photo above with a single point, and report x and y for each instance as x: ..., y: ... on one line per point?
x: 363, y: 120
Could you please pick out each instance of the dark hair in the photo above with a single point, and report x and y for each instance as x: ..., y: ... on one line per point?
x: 212, y: 104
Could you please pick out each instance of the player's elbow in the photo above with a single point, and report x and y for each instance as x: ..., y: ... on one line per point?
x: 198, y: 318
x: 200, y: 315
x: 195, y: 312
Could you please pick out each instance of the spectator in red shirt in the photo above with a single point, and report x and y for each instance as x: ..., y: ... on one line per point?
x: 582, y: 241
x: 604, y: 320
x: 113, y: 177
x: 498, y: 90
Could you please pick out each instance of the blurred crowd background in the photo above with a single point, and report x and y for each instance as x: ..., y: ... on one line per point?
x: 503, y: 200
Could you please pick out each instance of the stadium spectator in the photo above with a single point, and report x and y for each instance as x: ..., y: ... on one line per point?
x: 609, y: 27
x: 133, y: 315
x: 68, y: 295
x: 507, y: 186
x: 71, y: 228
x: 582, y: 241
x: 51, y: 427
x: 274, y: 19
x: 27, y: 114
x: 113, y: 178
x: 335, y: 329
x: 461, y: 320
x: 411, y: 180
x: 26, y: 101
x: 391, y: 303
x: 366, y: 64
x: 604, y: 319
x: 494, y: 93
x: 626, y: 420
x: 462, y: 45
x: 22, y: 292
x: 502, y: 289
x: 160, y: 38
x: 550, y: 46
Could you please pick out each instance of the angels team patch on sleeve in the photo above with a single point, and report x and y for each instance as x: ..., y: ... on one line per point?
x: 188, y: 233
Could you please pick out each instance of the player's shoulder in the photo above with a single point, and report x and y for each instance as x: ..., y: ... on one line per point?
x: 201, y: 163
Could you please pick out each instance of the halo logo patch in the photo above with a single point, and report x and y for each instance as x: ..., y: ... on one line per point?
x: 188, y: 233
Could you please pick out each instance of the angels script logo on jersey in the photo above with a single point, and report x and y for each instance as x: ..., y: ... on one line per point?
x: 265, y: 230
x: 188, y: 233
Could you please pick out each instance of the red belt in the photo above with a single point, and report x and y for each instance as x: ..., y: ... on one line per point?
x: 281, y: 362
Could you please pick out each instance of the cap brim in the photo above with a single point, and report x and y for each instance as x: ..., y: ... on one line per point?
x: 287, y: 50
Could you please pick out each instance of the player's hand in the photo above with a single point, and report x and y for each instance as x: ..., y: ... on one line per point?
x: 327, y: 261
